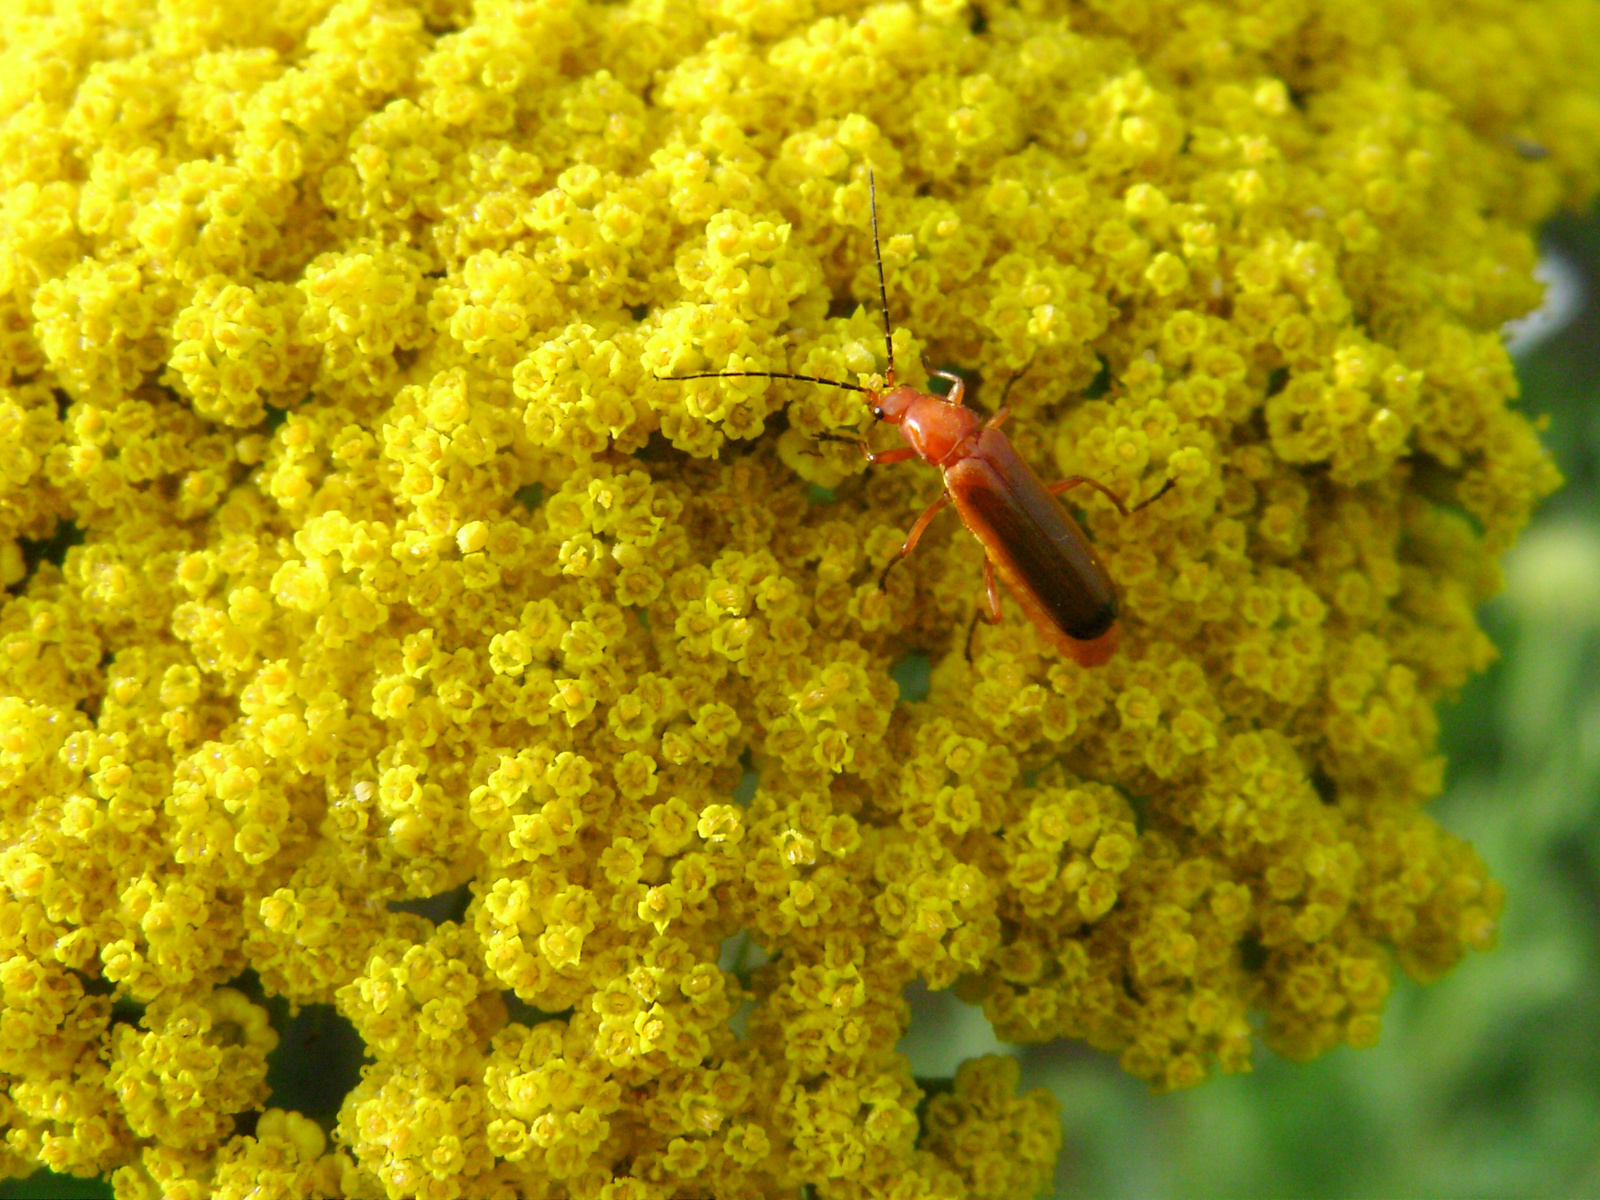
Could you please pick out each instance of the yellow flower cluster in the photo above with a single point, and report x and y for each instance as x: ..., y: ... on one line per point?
x: 358, y: 552
x: 1002, y: 1146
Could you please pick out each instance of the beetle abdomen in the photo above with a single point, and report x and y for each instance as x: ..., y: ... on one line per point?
x: 1034, y: 543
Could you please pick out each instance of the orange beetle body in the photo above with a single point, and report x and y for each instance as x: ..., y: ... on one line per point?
x: 1028, y: 538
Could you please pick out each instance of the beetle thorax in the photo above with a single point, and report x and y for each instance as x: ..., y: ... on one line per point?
x: 934, y: 428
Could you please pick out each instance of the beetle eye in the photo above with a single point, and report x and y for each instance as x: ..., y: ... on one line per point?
x: 877, y: 413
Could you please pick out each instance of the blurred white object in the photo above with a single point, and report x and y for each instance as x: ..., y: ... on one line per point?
x: 1563, y: 298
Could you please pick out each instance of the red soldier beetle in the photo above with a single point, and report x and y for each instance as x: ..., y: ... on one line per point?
x: 1029, y: 540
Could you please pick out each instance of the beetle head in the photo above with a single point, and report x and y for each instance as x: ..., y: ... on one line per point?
x: 893, y: 405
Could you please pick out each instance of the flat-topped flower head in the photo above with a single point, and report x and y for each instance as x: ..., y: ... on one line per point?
x: 369, y: 550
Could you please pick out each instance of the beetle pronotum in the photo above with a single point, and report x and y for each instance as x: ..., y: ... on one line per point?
x: 1029, y: 540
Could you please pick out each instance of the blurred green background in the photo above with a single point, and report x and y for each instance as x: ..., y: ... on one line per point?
x: 1486, y: 1084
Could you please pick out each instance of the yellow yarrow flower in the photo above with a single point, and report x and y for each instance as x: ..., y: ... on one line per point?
x: 360, y: 550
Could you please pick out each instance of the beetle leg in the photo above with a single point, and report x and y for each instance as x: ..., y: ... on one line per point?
x: 993, y: 588
x: 992, y: 613
x: 875, y: 457
x: 898, y: 454
x: 1165, y: 488
x: 998, y: 419
x: 1006, y: 391
x: 958, y: 386
x: 1055, y: 489
x: 915, y: 535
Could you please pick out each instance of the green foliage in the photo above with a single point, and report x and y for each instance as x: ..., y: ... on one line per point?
x: 42, y: 1185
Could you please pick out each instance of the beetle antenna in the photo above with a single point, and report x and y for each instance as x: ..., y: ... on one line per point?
x: 877, y: 253
x: 849, y: 387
